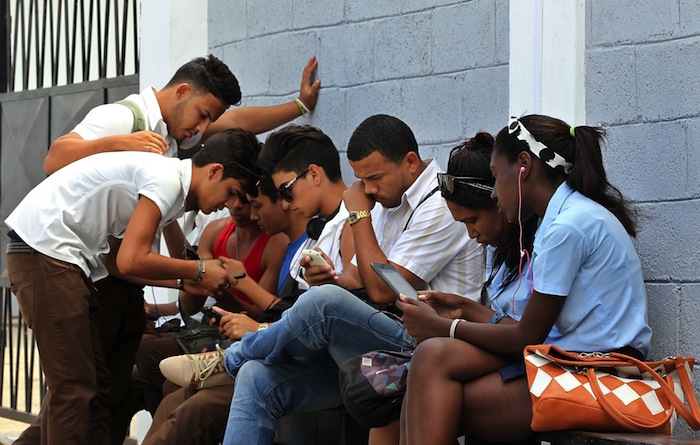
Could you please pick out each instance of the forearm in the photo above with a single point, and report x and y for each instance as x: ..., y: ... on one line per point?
x: 368, y: 251
x: 110, y: 263
x: 254, y: 119
x: 191, y: 304
x: 71, y: 147
x: 473, y: 311
x: 260, y: 297
x: 153, y: 267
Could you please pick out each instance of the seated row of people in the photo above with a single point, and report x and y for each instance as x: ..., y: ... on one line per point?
x: 576, y: 284
x: 539, y: 176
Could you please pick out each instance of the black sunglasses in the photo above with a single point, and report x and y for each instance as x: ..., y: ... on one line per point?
x: 447, y: 183
x: 285, y: 190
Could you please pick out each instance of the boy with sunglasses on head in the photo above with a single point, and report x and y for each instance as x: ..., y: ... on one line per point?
x: 304, y: 165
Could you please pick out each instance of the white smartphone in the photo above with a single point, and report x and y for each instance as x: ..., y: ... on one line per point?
x: 316, y: 257
x: 395, y: 280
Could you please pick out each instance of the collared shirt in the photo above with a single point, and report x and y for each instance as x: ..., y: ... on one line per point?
x: 511, y: 299
x: 583, y: 253
x: 71, y: 214
x: 115, y: 119
x: 329, y: 239
x: 433, y: 246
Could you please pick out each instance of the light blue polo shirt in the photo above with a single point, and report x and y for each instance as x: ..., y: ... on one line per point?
x: 583, y: 253
x: 512, y: 299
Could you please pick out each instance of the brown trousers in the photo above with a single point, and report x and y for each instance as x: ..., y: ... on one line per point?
x: 190, y: 417
x: 61, y: 308
x: 87, y: 338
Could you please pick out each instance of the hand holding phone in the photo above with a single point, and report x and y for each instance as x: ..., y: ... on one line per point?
x: 316, y: 257
x: 395, y: 280
x: 211, y: 313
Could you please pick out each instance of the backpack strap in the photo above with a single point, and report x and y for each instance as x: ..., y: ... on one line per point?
x: 139, y: 118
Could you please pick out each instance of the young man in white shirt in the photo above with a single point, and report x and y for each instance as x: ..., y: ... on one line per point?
x: 190, y: 108
x: 95, y: 217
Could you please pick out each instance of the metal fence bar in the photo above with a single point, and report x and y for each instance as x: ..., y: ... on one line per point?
x: 48, y: 43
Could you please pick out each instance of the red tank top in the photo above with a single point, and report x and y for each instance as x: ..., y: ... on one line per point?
x: 251, y: 262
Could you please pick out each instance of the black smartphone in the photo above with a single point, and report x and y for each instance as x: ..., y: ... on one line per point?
x: 395, y: 280
x: 211, y: 313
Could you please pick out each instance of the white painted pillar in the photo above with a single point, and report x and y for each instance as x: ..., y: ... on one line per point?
x: 547, y: 55
x: 172, y: 33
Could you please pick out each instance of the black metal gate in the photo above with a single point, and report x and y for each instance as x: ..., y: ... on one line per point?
x: 58, y: 59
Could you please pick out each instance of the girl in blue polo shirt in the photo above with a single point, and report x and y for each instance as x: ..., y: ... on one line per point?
x: 586, y: 283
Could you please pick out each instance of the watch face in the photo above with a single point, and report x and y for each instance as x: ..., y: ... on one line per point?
x: 352, y: 217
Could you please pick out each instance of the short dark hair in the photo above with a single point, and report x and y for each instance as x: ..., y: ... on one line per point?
x: 237, y: 150
x: 265, y: 187
x: 294, y: 147
x: 389, y: 136
x: 209, y: 75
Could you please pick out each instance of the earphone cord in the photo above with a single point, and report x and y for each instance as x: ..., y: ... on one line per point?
x: 523, y: 252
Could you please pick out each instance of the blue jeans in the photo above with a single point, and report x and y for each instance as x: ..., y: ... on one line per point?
x: 293, y: 365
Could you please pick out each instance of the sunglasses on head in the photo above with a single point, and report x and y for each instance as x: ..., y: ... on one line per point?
x: 447, y: 183
x: 284, y: 191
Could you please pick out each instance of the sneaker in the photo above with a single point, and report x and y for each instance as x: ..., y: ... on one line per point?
x: 197, y: 371
x: 6, y: 440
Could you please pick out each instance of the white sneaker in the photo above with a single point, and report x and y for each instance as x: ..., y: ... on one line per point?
x: 6, y: 440
x: 197, y: 371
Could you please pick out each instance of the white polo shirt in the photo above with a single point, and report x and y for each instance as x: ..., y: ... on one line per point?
x: 71, y: 214
x: 115, y: 119
x: 433, y: 246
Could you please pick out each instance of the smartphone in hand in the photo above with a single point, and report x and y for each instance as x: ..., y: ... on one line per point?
x: 316, y: 257
x: 395, y: 280
x: 211, y: 313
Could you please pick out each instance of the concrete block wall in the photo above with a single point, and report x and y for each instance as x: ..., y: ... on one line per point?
x: 442, y: 66
x: 439, y: 65
x: 642, y: 60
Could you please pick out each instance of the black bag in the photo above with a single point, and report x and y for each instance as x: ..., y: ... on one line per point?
x: 197, y: 336
x: 196, y: 339
x: 373, y: 385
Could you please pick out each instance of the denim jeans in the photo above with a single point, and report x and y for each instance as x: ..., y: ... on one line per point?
x: 293, y: 365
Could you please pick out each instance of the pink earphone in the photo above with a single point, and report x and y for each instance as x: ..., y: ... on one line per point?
x: 522, y: 170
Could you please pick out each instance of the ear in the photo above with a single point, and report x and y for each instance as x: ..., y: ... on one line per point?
x: 214, y: 170
x: 412, y: 161
x: 524, y: 163
x: 315, y: 172
x: 182, y: 90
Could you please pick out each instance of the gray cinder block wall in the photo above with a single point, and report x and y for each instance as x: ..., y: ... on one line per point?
x: 442, y: 66
x: 642, y: 85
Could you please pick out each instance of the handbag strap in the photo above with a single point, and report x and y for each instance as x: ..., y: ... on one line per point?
x: 692, y: 415
x: 639, y: 426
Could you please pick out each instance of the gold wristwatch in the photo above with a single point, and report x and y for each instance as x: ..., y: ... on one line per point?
x: 263, y: 326
x: 357, y: 215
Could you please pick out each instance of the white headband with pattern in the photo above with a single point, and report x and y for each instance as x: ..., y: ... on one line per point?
x: 546, y: 154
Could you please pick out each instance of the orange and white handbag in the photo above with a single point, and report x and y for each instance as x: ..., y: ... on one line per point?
x: 608, y: 392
